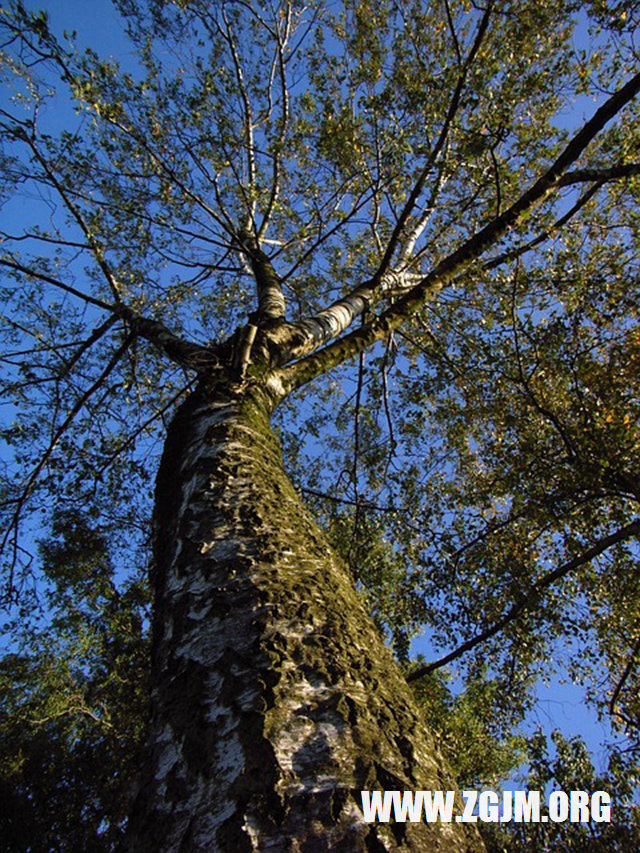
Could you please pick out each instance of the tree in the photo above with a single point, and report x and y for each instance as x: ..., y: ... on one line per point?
x: 571, y: 770
x: 268, y: 205
x: 74, y: 701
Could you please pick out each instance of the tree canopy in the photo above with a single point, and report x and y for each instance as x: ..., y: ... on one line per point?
x: 430, y: 212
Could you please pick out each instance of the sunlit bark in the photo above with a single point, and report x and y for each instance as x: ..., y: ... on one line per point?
x: 275, y: 700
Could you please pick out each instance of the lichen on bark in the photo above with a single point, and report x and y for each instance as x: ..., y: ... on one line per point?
x: 275, y: 701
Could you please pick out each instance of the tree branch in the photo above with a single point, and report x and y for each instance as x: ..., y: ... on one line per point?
x: 621, y: 682
x: 248, y: 116
x: 31, y: 273
x: 532, y: 597
x: 180, y: 350
x: 75, y: 212
x: 281, y: 42
x: 271, y: 302
x: 77, y: 406
x: 418, y: 187
x: 379, y: 327
x: 612, y: 173
x: 518, y: 251
x: 328, y: 324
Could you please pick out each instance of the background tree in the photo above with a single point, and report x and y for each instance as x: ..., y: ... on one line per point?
x: 412, y: 228
x: 74, y: 701
x: 571, y: 770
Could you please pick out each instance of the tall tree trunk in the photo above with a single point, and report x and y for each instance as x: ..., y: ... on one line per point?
x: 274, y: 700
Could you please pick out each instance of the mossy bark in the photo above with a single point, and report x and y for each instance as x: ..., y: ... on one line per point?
x: 275, y: 700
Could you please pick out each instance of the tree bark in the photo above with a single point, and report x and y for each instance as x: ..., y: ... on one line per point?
x: 274, y: 699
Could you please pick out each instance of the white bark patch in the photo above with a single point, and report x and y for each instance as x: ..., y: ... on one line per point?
x: 167, y: 632
x: 221, y: 549
x: 332, y: 321
x: 304, y: 742
x: 188, y: 490
x: 200, y: 612
x: 276, y: 385
x: 292, y: 630
x: 253, y: 832
x: 204, y: 646
x: 170, y: 754
x: 230, y: 762
x: 179, y: 584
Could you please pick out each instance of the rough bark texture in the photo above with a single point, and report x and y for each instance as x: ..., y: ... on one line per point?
x: 275, y: 699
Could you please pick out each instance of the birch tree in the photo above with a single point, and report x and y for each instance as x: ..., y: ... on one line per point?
x: 396, y: 241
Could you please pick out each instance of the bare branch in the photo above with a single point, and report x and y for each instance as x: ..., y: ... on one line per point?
x: 96, y: 249
x: 518, y: 251
x: 43, y: 238
x: 600, y: 176
x: 95, y: 336
x: 281, y: 42
x: 131, y: 439
x: 178, y: 349
x: 452, y: 30
x: 31, y: 273
x: 546, y: 413
x: 611, y: 173
x: 248, y: 113
x: 224, y: 221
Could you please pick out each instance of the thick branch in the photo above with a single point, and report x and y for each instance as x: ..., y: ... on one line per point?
x: 612, y: 173
x: 271, y: 302
x: 180, y: 350
x: 532, y: 597
x: 328, y: 324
